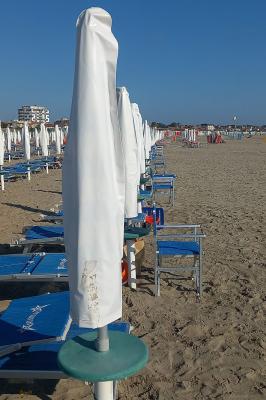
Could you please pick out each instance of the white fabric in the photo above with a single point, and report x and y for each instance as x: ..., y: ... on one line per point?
x: 130, y: 150
x: 15, y: 136
x: 147, y: 140
x: 43, y: 140
x: 94, y: 177
x: 26, y: 136
x: 61, y: 136
x: 18, y: 136
x: 37, y: 138
x: 47, y: 136
x: 57, y: 139
x: 8, y: 136
x: 2, y: 146
x: 139, y: 131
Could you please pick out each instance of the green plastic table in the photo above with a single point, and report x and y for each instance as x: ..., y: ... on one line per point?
x: 135, y: 232
x: 144, y: 180
x: 79, y: 358
x: 141, y: 198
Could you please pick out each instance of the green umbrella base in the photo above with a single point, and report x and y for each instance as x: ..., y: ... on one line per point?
x: 79, y: 358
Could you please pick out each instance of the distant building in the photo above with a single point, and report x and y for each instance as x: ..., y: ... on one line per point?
x: 33, y: 114
x: 62, y: 122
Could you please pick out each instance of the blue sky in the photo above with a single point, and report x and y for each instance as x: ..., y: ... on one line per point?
x: 182, y: 60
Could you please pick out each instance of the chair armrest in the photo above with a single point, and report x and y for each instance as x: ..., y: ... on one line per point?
x: 178, y: 226
x: 185, y: 236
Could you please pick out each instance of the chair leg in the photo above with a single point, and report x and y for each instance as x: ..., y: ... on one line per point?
x: 158, y: 284
x: 173, y: 195
x: 200, y: 270
x: 157, y: 276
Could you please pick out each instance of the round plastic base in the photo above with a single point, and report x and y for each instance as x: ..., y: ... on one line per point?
x: 79, y: 358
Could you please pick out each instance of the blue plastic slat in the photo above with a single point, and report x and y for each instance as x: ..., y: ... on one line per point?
x: 13, y: 264
x: 54, y: 263
x: 42, y: 232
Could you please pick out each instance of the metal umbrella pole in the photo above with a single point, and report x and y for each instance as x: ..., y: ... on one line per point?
x: 103, y: 390
x: 2, y: 178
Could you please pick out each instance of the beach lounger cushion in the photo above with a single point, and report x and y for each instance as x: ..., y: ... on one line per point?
x: 178, y: 248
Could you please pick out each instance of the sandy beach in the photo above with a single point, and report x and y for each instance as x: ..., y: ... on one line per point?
x: 214, y: 349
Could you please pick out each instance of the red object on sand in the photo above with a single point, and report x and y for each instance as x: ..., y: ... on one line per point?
x: 124, y: 267
x: 149, y: 219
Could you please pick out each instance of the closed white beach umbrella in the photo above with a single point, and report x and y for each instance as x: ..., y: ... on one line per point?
x: 2, y: 151
x: 26, y: 136
x: 37, y: 138
x: 8, y: 136
x: 15, y: 137
x: 62, y: 135
x: 94, y: 178
x: 18, y: 136
x: 43, y: 140
x: 53, y: 135
x: 147, y: 139
x: 47, y: 136
x: 130, y: 149
x: 8, y: 145
x: 139, y: 134
x: 57, y: 139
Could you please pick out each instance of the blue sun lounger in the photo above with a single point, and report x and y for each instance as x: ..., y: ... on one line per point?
x: 37, y: 267
x: 41, y: 235
x: 56, y: 217
x: 46, y: 235
x: 29, y: 342
x: 40, y: 361
x: 27, y: 321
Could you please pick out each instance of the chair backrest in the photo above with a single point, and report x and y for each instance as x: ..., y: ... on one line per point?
x: 157, y: 213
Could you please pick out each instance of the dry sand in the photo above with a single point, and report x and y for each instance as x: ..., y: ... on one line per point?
x: 214, y: 349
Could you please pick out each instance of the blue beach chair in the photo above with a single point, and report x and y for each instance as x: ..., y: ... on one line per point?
x: 178, y: 242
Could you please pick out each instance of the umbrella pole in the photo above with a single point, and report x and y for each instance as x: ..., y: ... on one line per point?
x: 103, y: 390
x: 131, y: 262
x: 28, y: 171
x: 2, y: 179
x: 46, y: 165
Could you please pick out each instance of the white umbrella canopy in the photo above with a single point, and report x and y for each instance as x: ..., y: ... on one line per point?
x: 53, y: 135
x: 37, y: 138
x: 139, y: 130
x: 130, y: 149
x: 94, y: 177
x: 26, y: 136
x: 15, y: 136
x: 147, y: 139
x: 47, y: 136
x: 18, y: 136
x: 57, y: 139
x: 61, y: 136
x: 8, y: 136
x: 43, y: 140
x: 2, y: 152
x: 2, y: 146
